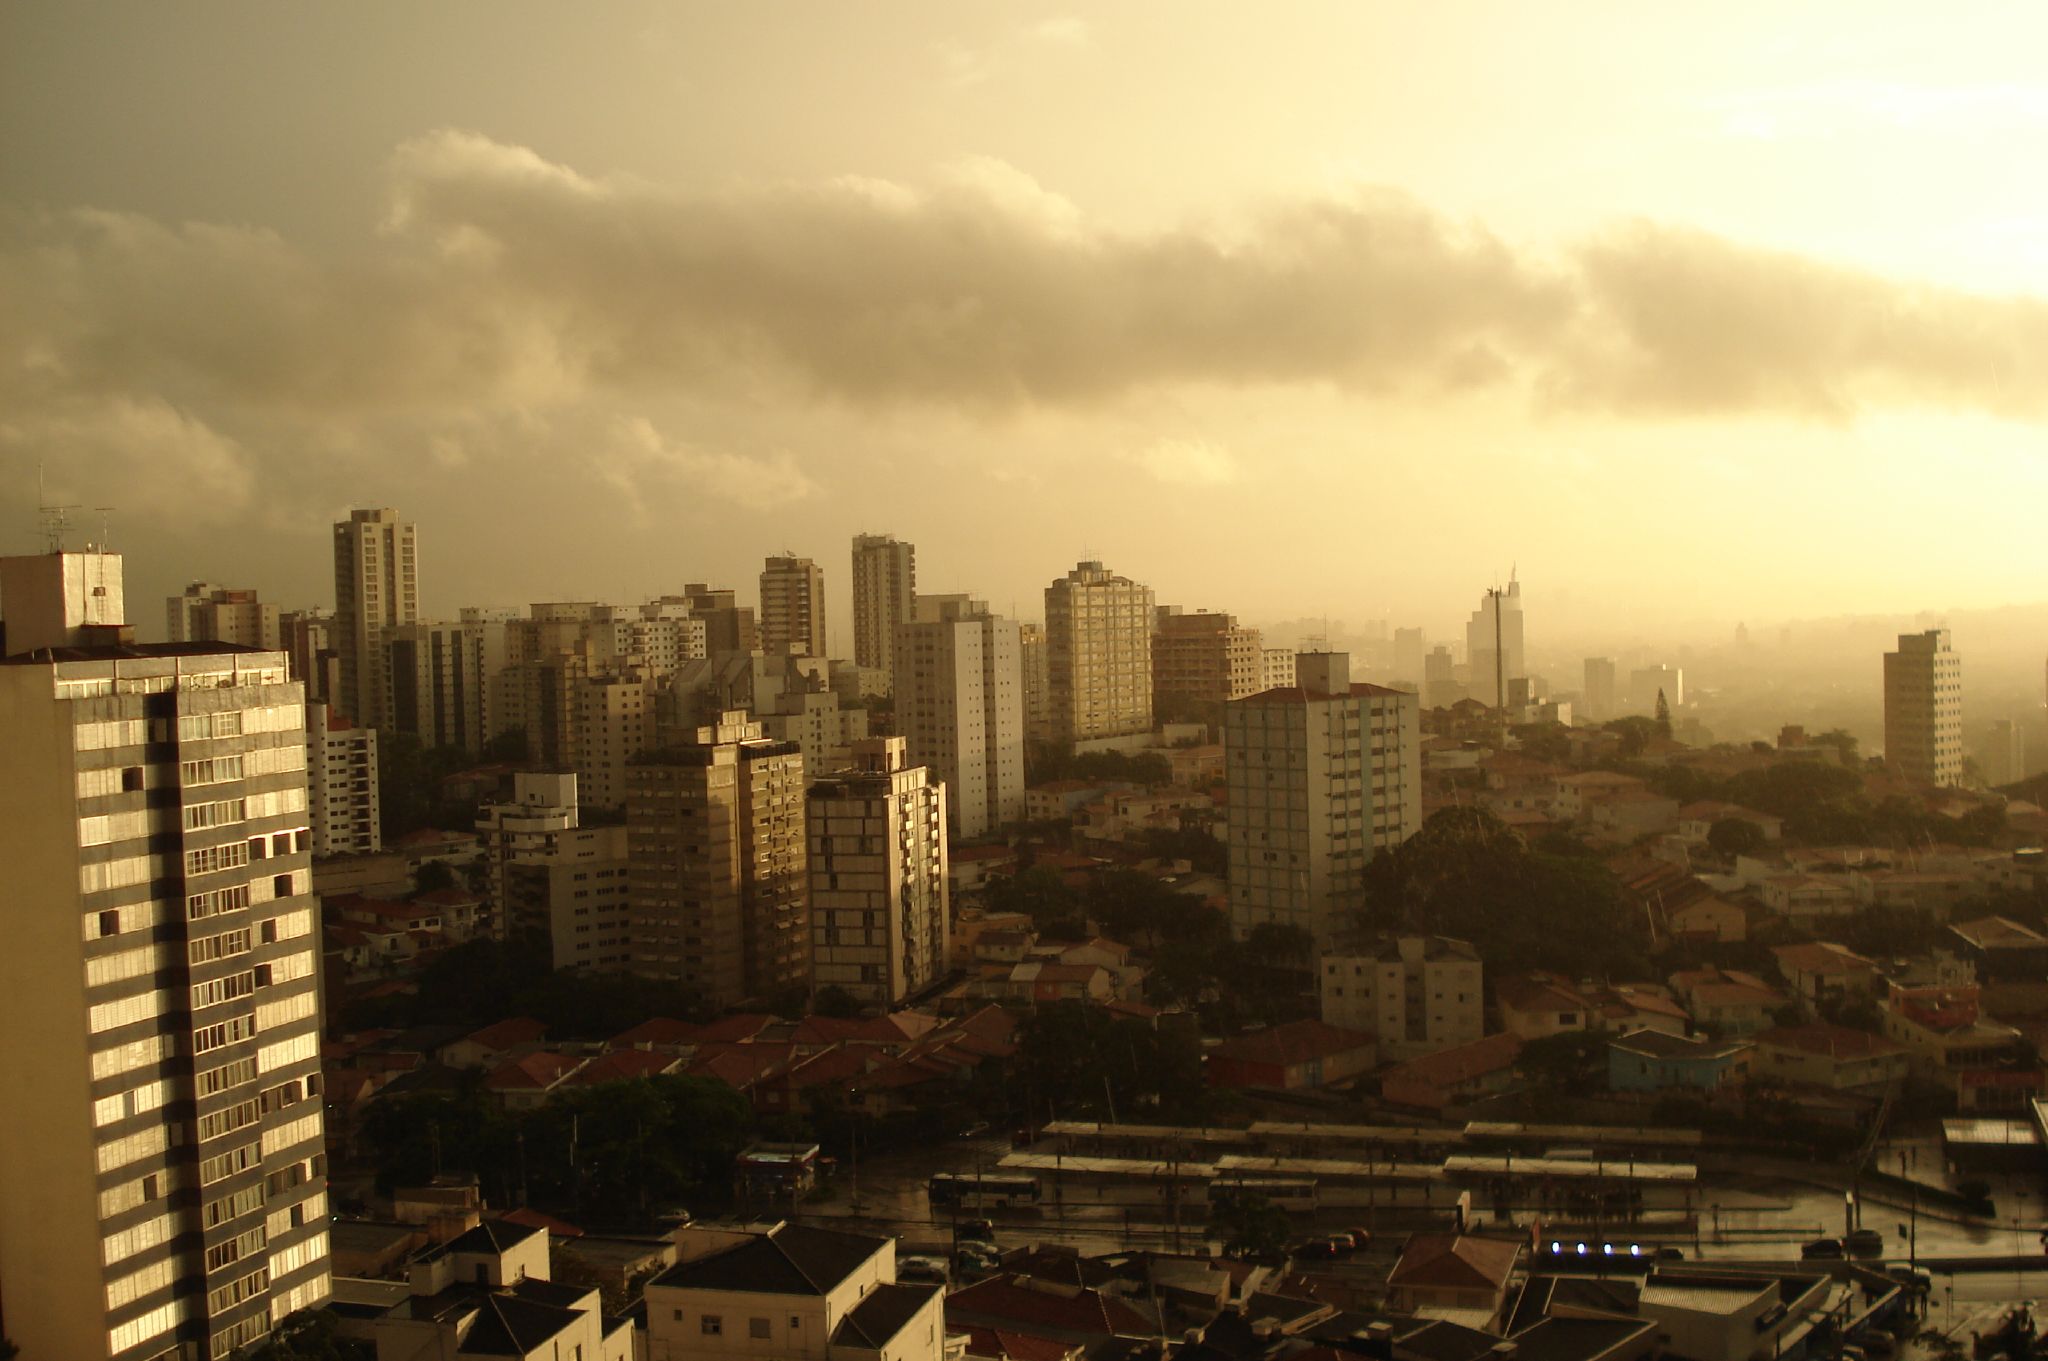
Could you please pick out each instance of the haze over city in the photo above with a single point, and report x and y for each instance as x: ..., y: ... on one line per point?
x: 1342, y: 312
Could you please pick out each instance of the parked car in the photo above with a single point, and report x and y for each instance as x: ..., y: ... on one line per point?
x: 922, y: 1271
x: 1822, y: 1249
x: 1864, y: 1242
x: 1360, y: 1237
x: 1667, y: 1253
x: 980, y: 1257
x: 1316, y: 1249
x: 977, y: 1231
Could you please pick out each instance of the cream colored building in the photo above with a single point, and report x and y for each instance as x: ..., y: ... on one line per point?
x: 793, y: 607
x: 1923, y: 708
x: 1276, y: 668
x: 720, y: 890
x: 524, y: 831
x: 1320, y: 780
x: 1098, y: 642
x: 376, y: 588
x: 162, y: 1157
x: 791, y: 1293
x: 884, y: 585
x: 1202, y: 661
x: 341, y: 781
x: 1032, y: 664
x: 818, y: 723
x: 880, y: 902
x: 959, y: 691
x: 216, y: 614
x: 1417, y: 994
x: 435, y: 675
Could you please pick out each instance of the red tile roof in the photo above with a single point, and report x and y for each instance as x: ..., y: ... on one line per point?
x: 1455, y: 1261
x: 657, y: 1032
x: 1449, y: 1067
x: 1830, y: 1041
x: 502, y: 1035
x: 1069, y: 1309
x: 535, y: 1071
x: 1004, y: 1344
x: 1292, y: 1043
x: 534, y: 1219
x: 623, y: 1065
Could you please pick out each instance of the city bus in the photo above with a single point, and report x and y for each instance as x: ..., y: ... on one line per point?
x: 974, y: 1191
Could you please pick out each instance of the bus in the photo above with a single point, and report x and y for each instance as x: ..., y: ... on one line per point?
x: 1289, y: 1193
x: 975, y: 1191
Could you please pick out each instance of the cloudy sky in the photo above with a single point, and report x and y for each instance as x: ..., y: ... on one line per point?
x: 1293, y: 310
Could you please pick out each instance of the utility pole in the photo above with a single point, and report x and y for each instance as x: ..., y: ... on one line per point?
x: 1500, y: 684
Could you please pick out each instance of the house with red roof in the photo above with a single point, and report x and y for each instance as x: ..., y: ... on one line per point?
x: 1009, y: 1344
x: 1067, y: 1313
x: 1729, y: 1000
x: 523, y: 1081
x: 1437, y: 1081
x: 1291, y: 1056
x: 625, y: 1065
x: 486, y: 1047
x: 1822, y: 970
x: 1696, y: 820
x: 662, y: 1034
x: 1832, y: 1056
x: 1462, y: 1277
x: 1535, y: 1006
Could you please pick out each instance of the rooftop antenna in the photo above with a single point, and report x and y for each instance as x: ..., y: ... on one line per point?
x: 55, y: 521
x: 105, y: 542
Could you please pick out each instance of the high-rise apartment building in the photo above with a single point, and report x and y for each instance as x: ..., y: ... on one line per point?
x: 1923, y: 708
x: 1417, y: 994
x: 435, y: 676
x: 2005, y: 754
x: 1645, y: 683
x: 215, y: 614
x: 307, y: 637
x: 1491, y: 651
x: 1276, y: 668
x: 1599, y: 696
x: 1440, y: 685
x: 715, y: 834
x: 728, y: 625
x: 1202, y: 661
x: 1410, y: 647
x: 884, y: 585
x: 1321, y: 777
x: 162, y: 1158
x: 341, y: 783
x: 880, y: 910
x: 793, y: 607
x: 555, y: 881
x: 959, y: 686
x: 376, y: 588
x: 1098, y: 644
x: 1032, y: 663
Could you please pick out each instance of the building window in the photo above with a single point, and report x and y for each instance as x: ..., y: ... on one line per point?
x: 711, y: 1325
x: 757, y: 1327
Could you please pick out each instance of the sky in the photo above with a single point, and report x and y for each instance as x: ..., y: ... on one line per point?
x: 1318, y: 309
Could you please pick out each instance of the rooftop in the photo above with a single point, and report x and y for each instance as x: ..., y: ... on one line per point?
x: 791, y: 1259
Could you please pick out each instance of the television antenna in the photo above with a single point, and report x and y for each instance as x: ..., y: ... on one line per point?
x: 54, y: 521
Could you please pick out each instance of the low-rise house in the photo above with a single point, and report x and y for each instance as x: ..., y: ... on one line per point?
x: 1036, y: 981
x: 1696, y: 820
x: 1824, y: 971
x: 791, y: 1292
x: 1538, y: 1005
x: 1459, y: 1278
x: 1436, y: 1081
x: 485, y: 1048
x: 1831, y: 1056
x: 969, y: 867
x: 1291, y: 1056
x: 1708, y: 918
x: 1950, y: 1041
x: 1632, y: 813
x: 1805, y: 898
x: 1066, y: 1313
x: 1932, y: 892
x: 1730, y: 1001
x: 2003, y: 950
x: 1625, y: 1007
x: 523, y: 1082
x: 1651, y: 1061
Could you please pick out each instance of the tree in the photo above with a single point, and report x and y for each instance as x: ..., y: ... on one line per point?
x: 1730, y: 837
x: 1663, y: 719
x: 1635, y: 732
x: 1039, y: 893
x: 433, y: 877
x: 309, y: 1335
x: 1248, y: 1224
x: 1572, y: 1062
x: 836, y: 1002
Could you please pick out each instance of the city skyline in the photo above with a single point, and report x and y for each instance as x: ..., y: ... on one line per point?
x: 569, y: 325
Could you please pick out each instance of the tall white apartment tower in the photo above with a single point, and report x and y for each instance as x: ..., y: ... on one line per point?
x: 884, y: 585
x: 1098, y: 648
x: 376, y: 588
x: 1923, y: 708
x: 162, y: 1159
x: 1322, y: 777
x: 880, y: 909
x: 793, y: 607
x: 959, y: 686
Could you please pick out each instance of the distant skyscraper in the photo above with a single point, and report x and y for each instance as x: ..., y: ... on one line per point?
x: 720, y: 889
x: 1410, y: 647
x: 376, y: 588
x: 162, y: 1158
x: 1923, y: 708
x: 1321, y: 779
x: 2005, y: 760
x: 728, y: 625
x: 1599, y: 696
x: 437, y: 684
x: 880, y: 914
x: 793, y: 607
x: 1201, y: 661
x: 884, y: 584
x: 1098, y: 632
x: 1645, y: 683
x: 214, y: 614
x: 959, y: 686
x: 1480, y: 647
x: 1440, y: 687
x: 1032, y: 663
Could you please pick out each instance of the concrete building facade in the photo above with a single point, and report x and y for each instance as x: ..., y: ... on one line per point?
x: 1098, y: 639
x: 1483, y: 642
x: 960, y: 701
x: 793, y: 607
x: 341, y: 783
x: 436, y: 678
x: 1923, y: 708
x: 884, y: 585
x: 376, y: 588
x: 1201, y: 661
x: 217, y: 614
x: 1598, y: 698
x: 1321, y: 777
x: 163, y: 1192
x: 1417, y: 994
x: 881, y: 912
x: 715, y: 837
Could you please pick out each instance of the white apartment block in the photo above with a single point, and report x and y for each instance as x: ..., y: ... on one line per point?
x: 959, y: 690
x: 1203, y: 660
x: 1417, y: 994
x: 1923, y: 708
x: 215, y: 614
x: 817, y: 723
x: 1098, y: 636
x: 1321, y: 778
x: 524, y: 831
x: 341, y: 780
x: 792, y: 1293
x: 1276, y: 668
x: 614, y: 724
x: 162, y: 1157
x: 793, y: 607
x: 881, y: 913
x: 376, y: 588
x: 884, y: 585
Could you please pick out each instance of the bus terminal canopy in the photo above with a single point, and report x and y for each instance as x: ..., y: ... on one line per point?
x: 1141, y: 1168
x: 1328, y: 1167
x: 1569, y: 1169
